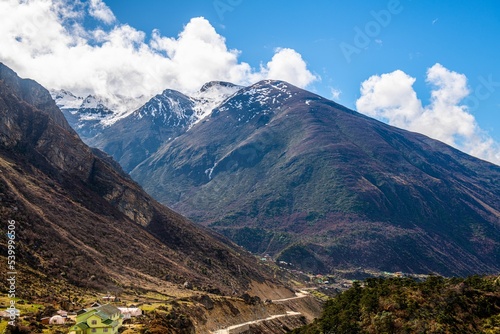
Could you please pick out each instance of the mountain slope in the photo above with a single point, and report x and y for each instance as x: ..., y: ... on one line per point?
x: 284, y: 171
x: 81, y: 219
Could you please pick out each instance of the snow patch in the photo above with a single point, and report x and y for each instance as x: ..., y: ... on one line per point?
x: 66, y: 100
x: 210, y: 96
x: 209, y: 171
x: 107, y: 112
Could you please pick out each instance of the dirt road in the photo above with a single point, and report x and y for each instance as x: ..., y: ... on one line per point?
x: 245, y: 326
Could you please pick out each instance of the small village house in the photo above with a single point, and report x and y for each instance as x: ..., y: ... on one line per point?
x: 102, y: 319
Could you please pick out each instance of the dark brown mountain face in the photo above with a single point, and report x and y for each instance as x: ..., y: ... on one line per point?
x: 284, y: 171
x: 32, y: 93
x: 81, y: 219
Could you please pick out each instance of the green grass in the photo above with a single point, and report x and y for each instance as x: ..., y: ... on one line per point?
x: 156, y: 296
x: 3, y: 326
x: 23, y: 306
x: 29, y: 308
x: 319, y: 295
x: 153, y: 306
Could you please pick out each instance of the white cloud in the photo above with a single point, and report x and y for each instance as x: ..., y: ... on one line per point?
x: 287, y: 65
x: 199, y: 55
x: 46, y: 40
x: 100, y: 11
x: 445, y: 119
x: 391, y: 97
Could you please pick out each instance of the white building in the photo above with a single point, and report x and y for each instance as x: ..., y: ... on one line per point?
x: 129, y: 312
x: 57, y: 320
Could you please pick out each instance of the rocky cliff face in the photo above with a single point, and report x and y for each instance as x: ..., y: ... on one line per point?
x: 33, y: 94
x: 32, y: 123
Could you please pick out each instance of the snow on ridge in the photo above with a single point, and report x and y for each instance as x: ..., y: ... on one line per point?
x: 93, y: 102
x: 176, y: 108
x: 210, y: 96
x: 107, y: 112
x: 265, y: 93
x: 173, y: 107
x: 65, y: 99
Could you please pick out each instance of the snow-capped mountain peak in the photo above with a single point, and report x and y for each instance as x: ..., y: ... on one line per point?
x: 170, y: 107
x: 93, y: 102
x: 262, y: 98
x: 66, y: 100
x: 211, y: 95
x: 87, y: 115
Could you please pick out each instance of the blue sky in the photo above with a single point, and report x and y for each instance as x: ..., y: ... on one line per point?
x: 463, y: 36
x: 428, y: 66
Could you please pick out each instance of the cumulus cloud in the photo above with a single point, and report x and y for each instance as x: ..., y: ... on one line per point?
x: 46, y: 40
x: 391, y: 98
x: 288, y: 65
x: 199, y: 55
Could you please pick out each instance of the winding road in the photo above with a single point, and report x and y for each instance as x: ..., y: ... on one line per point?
x: 245, y: 326
x: 300, y: 294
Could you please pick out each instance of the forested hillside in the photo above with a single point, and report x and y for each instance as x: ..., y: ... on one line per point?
x: 403, y: 305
